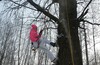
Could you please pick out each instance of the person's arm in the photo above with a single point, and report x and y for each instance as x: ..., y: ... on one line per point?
x: 40, y: 33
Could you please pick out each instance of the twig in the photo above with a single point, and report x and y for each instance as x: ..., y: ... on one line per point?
x: 91, y: 23
x: 22, y: 5
x: 50, y: 28
x: 85, y: 11
x: 87, y: 5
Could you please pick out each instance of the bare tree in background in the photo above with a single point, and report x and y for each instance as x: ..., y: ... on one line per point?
x: 61, y: 16
x: 7, y: 48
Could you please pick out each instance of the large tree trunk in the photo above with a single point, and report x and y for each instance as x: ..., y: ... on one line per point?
x: 70, y: 49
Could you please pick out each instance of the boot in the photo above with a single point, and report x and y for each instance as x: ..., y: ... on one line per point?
x: 54, y: 61
x: 53, y: 44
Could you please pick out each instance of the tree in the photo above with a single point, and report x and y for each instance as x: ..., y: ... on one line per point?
x: 7, y: 45
x: 70, y: 49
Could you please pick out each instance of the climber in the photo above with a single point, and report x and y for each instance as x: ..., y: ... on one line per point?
x: 38, y: 42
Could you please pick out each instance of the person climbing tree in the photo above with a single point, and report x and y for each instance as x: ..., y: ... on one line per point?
x: 38, y: 42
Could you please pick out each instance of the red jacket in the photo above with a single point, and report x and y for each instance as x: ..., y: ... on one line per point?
x: 34, y: 36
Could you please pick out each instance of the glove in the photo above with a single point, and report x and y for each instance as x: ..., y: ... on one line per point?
x: 40, y: 33
x: 34, y: 49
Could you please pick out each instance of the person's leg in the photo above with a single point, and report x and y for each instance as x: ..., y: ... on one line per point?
x: 34, y: 45
x: 45, y: 49
x: 46, y: 41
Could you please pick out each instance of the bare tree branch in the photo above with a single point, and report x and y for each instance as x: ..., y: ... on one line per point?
x: 87, y: 5
x: 43, y: 11
x: 23, y: 4
x: 90, y: 22
x: 85, y: 11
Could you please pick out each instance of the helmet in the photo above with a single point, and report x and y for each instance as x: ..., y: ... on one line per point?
x: 34, y: 26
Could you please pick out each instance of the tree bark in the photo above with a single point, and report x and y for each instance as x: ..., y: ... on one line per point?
x: 70, y: 49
